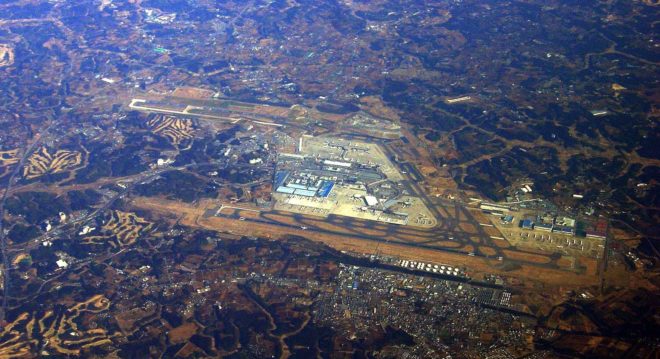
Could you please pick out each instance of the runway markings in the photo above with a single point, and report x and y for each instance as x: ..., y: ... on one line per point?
x: 135, y: 104
x: 222, y: 206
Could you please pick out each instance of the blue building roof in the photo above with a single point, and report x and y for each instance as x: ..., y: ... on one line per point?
x: 564, y: 229
x: 326, y: 188
x: 297, y: 186
x: 527, y: 223
x: 304, y: 192
x: 284, y: 189
x: 280, y: 177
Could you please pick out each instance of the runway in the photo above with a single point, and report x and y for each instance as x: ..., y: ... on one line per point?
x: 456, y: 232
x: 444, y: 238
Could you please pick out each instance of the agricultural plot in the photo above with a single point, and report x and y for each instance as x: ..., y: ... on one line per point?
x: 122, y: 229
x: 61, y: 331
x: 7, y: 159
x: 43, y: 162
x: 176, y: 130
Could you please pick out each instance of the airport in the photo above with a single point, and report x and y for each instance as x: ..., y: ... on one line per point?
x: 362, y: 193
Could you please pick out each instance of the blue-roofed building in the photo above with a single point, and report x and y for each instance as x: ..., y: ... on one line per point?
x: 280, y: 177
x: 326, y: 188
x: 284, y: 189
x: 527, y: 224
x: 508, y: 219
x: 564, y: 230
x: 544, y: 227
x: 305, y: 192
x: 297, y: 186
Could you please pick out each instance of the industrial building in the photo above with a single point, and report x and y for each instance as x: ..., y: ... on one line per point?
x: 546, y: 227
x: 527, y: 224
x: 508, y: 219
x: 494, y: 208
x: 550, y: 223
x: 302, y: 184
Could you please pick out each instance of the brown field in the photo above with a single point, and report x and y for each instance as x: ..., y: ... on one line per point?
x: 375, y: 106
x: 190, y: 350
x: 20, y: 335
x: 481, y: 217
x: 125, y: 227
x: 467, y: 227
x: 7, y: 159
x: 590, y: 264
x: 182, y: 333
x: 477, y: 266
x: 565, y: 261
x: 42, y: 162
x: 19, y: 258
x: 527, y: 257
x: 487, y: 251
x: 573, y: 320
x: 126, y: 319
x: 193, y: 92
x: 500, y: 243
x: 174, y: 129
x: 493, y: 232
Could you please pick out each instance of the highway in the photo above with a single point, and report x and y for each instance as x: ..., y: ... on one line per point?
x: 131, y: 183
x: 3, y: 238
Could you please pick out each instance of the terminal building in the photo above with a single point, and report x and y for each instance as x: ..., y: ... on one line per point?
x: 302, y: 184
x: 317, y: 177
x: 342, y: 177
